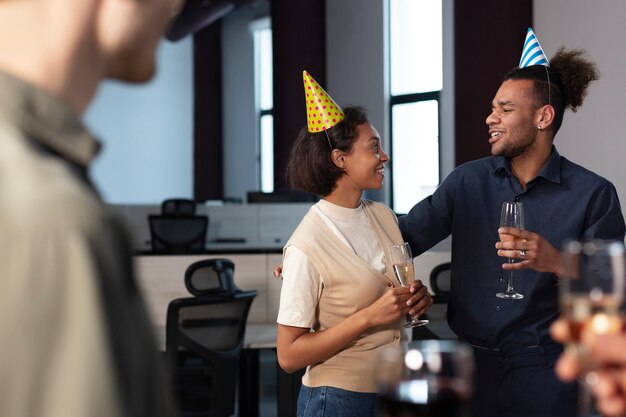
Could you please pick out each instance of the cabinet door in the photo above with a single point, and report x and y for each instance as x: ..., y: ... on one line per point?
x: 161, y: 279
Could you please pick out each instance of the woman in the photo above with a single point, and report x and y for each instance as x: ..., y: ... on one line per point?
x: 338, y: 280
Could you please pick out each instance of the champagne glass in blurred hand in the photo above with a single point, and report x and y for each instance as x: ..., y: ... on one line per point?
x: 591, y: 294
x: 402, y: 261
x: 429, y: 378
x: 512, y: 215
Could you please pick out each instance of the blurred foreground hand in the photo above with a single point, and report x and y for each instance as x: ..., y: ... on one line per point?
x: 607, y: 352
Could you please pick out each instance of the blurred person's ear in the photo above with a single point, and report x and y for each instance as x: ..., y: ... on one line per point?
x: 128, y: 34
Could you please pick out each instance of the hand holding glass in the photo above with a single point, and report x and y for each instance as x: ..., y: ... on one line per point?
x: 402, y: 261
x: 512, y: 215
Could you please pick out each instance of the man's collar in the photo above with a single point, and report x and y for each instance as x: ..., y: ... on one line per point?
x: 551, y: 171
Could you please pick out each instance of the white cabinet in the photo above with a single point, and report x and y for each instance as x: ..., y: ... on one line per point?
x: 161, y: 280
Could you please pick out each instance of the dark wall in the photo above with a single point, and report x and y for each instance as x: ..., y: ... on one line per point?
x: 299, y: 43
x: 208, y: 166
x: 489, y: 35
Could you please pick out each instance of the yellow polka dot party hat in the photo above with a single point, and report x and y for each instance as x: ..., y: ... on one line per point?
x: 321, y: 110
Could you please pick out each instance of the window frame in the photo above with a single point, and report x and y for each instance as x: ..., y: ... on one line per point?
x: 264, y: 23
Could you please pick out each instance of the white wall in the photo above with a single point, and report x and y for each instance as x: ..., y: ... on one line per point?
x: 356, y: 61
x: 358, y: 73
x: 594, y: 136
x: 241, y: 165
x: 147, y: 132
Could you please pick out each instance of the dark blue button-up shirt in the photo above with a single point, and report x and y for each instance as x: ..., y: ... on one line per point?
x: 564, y: 201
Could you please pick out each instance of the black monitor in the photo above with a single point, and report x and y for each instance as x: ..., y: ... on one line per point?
x: 286, y: 196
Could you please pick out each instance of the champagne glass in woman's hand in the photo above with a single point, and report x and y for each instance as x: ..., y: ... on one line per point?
x: 403, y: 268
x: 512, y: 216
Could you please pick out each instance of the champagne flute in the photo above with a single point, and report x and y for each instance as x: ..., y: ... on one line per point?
x: 424, y: 379
x: 591, y: 294
x: 512, y: 215
x: 402, y: 261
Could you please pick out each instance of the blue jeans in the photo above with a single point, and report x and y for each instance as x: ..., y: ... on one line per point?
x: 335, y: 402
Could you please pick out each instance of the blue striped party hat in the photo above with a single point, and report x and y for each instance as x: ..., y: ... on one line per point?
x: 532, y: 53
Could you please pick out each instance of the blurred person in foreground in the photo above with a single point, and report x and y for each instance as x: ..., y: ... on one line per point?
x: 607, y: 353
x: 340, y: 302
x: 75, y: 339
x: 515, y: 355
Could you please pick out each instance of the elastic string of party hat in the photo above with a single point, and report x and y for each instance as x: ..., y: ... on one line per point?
x: 549, y: 89
x: 328, y: 138
x: 351, y: 182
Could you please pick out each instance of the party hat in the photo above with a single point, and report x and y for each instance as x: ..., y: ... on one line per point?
x: 532, y: 54
x: 321, y: 111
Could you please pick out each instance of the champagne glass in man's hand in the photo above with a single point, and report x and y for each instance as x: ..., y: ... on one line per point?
x: 512, y: 216
x: 403, y: 268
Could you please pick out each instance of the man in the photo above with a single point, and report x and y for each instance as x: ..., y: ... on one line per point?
x: 75, y: 339
x: 514, y: 352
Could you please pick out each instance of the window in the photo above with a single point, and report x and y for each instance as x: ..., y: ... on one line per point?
x: 416, y: 81
x: 264, y: 100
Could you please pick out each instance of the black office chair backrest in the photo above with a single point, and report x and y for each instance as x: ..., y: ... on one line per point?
x: 210, y: 276
x: 178, y: 207
x: 440, y: 282
x: 178, y: 235
x: 208, y: 325
x: 204, y: 338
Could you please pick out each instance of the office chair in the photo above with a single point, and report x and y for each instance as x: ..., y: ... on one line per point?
x: 178, y: 207
x: 178, y: 234
x: 211, y: 276
x: 440, y: 282
x: 204, y: 338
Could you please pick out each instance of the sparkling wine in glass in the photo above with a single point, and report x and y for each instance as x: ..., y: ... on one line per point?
x: 591, y: 295
x: 402, y: 261
x: 429, y: 378
x: 512, y: 215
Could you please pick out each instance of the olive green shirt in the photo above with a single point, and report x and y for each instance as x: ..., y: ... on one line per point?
x: 75, y: 340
